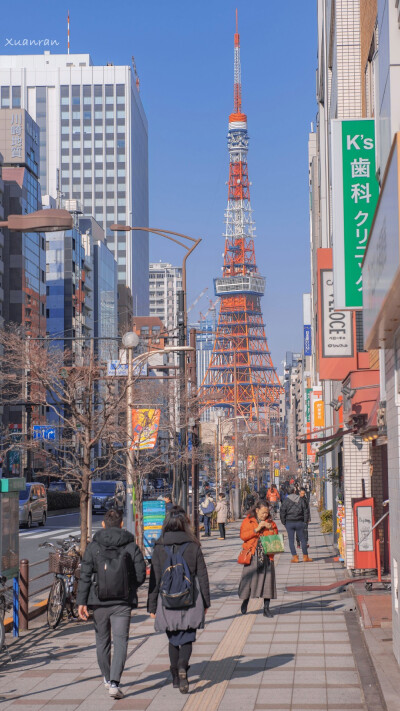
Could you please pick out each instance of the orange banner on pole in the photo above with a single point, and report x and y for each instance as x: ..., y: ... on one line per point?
x: 228, y: 455
x: 319, y: 413
x: 145, y: 424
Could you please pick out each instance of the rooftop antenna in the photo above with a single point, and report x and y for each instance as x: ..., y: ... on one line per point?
x: 68, y: 31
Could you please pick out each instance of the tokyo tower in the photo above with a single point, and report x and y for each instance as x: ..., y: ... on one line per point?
x: 241, y: 376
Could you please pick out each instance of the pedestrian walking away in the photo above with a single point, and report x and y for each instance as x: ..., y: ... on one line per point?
x: 222, y: 515
x: 303, y: 495
x: 168, y: 502
x: 258, y: 576
x: 112, y: 569
x: 273, y: 498
x: 294, y: 515
x: 179, y: 592
x: 207, y: 508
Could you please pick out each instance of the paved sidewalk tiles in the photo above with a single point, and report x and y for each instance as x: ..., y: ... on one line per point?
x: 301, y: 660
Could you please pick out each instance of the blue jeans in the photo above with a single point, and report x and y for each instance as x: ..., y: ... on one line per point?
x: 207, y: 525
x: 297, y: 527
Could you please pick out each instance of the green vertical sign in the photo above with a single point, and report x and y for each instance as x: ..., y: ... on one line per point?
x: 308, y: 404
x: 360, y: 195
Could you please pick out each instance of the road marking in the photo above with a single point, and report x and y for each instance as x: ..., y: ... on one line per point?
x: 53, y: 533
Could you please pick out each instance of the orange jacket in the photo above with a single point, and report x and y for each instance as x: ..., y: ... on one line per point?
x: 273, y: 495
x: 250, y: 538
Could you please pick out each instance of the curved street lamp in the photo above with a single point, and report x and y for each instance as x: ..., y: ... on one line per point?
x: 40, y: 221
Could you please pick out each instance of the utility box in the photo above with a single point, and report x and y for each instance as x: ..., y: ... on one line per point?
x: 9, y: 525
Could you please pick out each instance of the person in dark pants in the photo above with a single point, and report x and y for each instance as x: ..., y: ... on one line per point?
x: 294, y: 515
x: 303, y: 495
x: 221, y: 510
x: 112, y: 616
x: 181, y: 624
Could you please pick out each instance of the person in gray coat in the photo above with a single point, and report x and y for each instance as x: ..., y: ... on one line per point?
x: 112, y: 615
x: 180, y: 625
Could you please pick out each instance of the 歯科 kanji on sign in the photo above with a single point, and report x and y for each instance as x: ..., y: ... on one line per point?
x: 355, y: 192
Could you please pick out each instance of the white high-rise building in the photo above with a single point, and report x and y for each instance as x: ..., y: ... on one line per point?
x: 93, y: 146
x: 165, y: 281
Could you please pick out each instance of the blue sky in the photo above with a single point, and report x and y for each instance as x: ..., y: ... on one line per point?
x: 184, y: 57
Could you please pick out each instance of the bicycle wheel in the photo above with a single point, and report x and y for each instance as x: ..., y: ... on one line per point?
x: 55, y: 603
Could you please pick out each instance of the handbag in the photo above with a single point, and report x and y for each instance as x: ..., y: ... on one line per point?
x: 272, y: 544
x: 245, y: 556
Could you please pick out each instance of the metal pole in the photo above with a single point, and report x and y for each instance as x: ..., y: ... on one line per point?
x: 24, y: 593
x: 236, y: 451
x: 182, y: 483
x: 130, y: 523
x: 15, y: 606
x: 89, y: 510
x: 219, y: 452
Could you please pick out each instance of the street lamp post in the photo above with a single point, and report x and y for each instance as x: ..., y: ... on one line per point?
x: 189, y: 244
x: 130, y: 341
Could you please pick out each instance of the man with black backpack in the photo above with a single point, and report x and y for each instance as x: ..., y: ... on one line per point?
x: 112, y: 569
x: 295, y: 515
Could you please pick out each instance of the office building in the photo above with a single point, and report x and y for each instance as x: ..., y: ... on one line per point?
x: 105, y: 289
x: 93, y: 147
x: 165, y: 281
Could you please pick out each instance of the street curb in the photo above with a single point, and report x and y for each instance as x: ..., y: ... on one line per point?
x: 38, y: 609
x: 60, y: 512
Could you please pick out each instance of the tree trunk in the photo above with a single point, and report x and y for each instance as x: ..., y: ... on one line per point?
x: 84, y: 500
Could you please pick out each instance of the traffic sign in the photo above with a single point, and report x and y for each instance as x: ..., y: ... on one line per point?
x: 44, y: 432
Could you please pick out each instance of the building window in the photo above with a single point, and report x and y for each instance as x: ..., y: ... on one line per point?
x: 16, y: 97
x: 5, y: 97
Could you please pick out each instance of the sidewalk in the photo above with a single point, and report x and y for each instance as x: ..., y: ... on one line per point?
x: 311, y: 656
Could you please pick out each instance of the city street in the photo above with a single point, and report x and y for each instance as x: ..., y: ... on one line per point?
x: 310, y: 656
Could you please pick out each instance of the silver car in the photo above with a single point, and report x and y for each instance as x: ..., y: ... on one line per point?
x: 33, y: 505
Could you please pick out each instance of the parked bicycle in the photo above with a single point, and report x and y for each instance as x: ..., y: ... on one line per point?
x: 65, y: 563
x: 5, y: 604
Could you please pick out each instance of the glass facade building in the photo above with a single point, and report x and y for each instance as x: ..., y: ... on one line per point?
x: 93, y: 147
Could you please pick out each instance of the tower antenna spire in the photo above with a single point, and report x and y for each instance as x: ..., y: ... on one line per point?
x: 68, y: 30
x: 237, y: 86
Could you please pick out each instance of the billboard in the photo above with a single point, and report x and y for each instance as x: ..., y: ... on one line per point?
x: 145, y: 424
x: 153, y: 519
x: 355, y: 192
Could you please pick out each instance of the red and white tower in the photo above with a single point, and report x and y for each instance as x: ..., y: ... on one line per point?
x: 241, y: 376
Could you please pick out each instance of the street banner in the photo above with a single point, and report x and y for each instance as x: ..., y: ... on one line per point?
x: 153, y: 519
x: 319, y: 413
x: 228, y: 455
x: 145, y: 424
x: 355, y: 192
x: 251, y: 461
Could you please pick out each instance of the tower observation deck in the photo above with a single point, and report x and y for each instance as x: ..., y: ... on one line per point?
x: 241, y: 376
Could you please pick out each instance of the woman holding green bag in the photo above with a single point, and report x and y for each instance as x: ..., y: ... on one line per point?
x: 258, y: 575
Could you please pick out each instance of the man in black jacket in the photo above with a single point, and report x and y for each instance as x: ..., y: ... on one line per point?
x: 111, y: 600
x: 295, y: 515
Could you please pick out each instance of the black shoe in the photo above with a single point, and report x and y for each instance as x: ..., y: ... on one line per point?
x: 183, y: 681
x: 243, y: 607
x: 267, y: 612
x: 175, y: 677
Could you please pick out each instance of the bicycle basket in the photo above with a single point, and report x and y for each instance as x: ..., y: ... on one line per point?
x: 62, y: 563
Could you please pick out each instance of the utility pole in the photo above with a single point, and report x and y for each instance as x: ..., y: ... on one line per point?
x: 181, y: 493
x: 195, y: 435
x: 92, y: 406
x: 130, y: 522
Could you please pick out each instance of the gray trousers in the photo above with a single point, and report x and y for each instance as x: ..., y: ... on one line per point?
x: 112, y: 620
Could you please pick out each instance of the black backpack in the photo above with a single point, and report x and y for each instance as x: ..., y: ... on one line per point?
x: 176, y: 588
x: 113, y: 574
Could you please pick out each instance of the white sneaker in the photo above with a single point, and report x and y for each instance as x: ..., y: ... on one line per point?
x: 106, y: 683
x: 115, y: 692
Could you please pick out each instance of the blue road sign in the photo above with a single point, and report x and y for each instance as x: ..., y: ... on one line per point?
x: 44, y: 432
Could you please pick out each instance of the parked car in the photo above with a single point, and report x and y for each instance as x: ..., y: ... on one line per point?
x: 33, y: 505
x: 159, y: 484
x: 108, y: 495
x: 60, y: 486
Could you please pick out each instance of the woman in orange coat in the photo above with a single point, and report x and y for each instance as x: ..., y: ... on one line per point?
x: 258, y: 578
